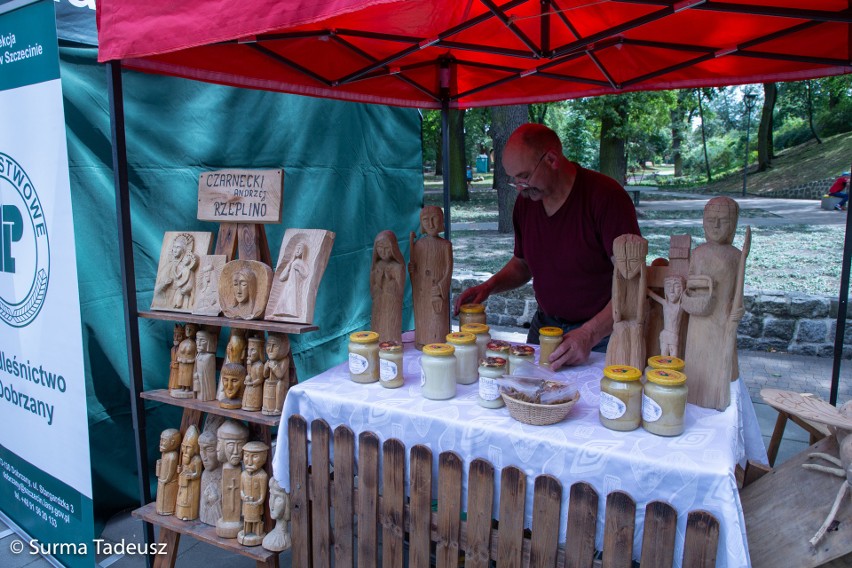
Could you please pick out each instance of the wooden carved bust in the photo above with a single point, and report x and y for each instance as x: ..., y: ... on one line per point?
x: 387, y: 287
x: 244, y: 288
x: 431, y: 270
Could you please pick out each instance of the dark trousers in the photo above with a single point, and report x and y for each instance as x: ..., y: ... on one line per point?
x: 541, y: 319
x: 844, y: 197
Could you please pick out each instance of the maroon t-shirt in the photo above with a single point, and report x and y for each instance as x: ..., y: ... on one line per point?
x: 569, y: 253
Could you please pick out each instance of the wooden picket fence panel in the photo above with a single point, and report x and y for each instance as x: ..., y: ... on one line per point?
x: 333, y: 523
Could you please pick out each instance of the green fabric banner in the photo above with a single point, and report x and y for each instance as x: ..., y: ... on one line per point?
x: 352, y: 169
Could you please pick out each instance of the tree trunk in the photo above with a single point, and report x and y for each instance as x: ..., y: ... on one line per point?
x: 458, y: 161
x: 504, y: 121
x: 704, y: 137
x: 764, y: 131
x: 612, y: 145
x: 678, y: 116
x: 439, y: 156
x: 811, y: 112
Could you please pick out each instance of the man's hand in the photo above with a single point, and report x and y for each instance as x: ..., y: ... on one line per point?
x: 473, y: 295
x: 574, y: 349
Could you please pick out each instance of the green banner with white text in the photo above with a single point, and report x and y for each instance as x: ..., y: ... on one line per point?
x: 45, y: 468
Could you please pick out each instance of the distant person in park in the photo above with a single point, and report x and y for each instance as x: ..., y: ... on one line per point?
x: 565, y: 218
x: 840, y: 188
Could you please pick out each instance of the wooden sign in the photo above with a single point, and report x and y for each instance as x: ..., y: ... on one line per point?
x: 240, y: 196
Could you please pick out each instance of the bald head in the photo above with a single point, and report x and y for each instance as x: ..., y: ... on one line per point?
x: 535, y: 138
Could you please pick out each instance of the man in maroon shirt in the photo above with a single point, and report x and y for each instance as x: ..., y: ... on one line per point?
x: 566, y: 218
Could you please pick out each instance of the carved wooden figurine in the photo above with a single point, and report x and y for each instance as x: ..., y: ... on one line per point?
x: 254, y: 482
x: 387, y: 286
x: 276, y: 372
x: 233, y: 377
x: 174, y: 288
x: 431, y: 269
x: 714, y: 300
x: 235, y: 352
x: 189, y: 477
x: 244, y: 288
x: 178, y: 336
x: 253, y: 391
x: 278, y: 539
x: 207, y: 285
x: 231, y: 437
x: 301, y: 263
x: 187, y: 351
x: 672, y: 315
x: 210, y: 507
x: 204, y: 383
x: 629, y: 306
x: 167, y: 472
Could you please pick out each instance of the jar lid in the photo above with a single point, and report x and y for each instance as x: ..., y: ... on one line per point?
x: 475, y: 328
x: 492, y: 362
x: 522, y: 351
x: 665, y: 362
x: 666, y: 377
x: 364, y: 337
x: 461, y: 338
x: 550, y: 331
x: 498, y: 345
x: 622, y: 373
x: 390, y: 346
x: 438, y: 350
x: 472, y: 309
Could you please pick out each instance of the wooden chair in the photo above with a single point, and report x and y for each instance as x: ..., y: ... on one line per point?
x: 335, y: 522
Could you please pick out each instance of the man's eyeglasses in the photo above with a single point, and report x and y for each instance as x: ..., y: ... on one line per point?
x: 525, y: 183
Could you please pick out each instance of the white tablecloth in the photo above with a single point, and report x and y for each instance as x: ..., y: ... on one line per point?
x: 692, y: 471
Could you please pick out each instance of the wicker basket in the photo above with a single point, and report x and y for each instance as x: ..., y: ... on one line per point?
x: 538, y: 414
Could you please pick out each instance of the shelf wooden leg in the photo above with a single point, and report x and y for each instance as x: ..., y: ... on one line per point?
x: 171, y: 539
x: 775, y: 440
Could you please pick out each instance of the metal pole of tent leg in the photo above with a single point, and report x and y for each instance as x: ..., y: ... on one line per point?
x: 128, y: 282
x: 445, y: 157
x: 842, y: 307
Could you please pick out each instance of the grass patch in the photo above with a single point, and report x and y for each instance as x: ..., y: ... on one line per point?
x: 697, y: 214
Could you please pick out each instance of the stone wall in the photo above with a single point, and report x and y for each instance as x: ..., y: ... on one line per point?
x: 796, y: 323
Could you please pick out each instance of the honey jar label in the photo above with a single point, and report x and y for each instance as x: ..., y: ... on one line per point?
x: 387, y: 370
x: 612, y: 407
x: 358, y: 364
x: 651, y: 411
x: 488, y: 389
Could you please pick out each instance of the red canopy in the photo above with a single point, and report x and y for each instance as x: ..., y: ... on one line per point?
x: 398, y: 52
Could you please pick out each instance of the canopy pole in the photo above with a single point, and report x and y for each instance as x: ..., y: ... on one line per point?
x: 445, y: 140
x: 842, y: 307
x: 128, y: 283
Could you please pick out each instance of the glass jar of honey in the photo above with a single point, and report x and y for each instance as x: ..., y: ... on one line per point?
x: 481, y: 331
x: 519, y: 353
x: 664, y: 402
x: 390, y: 364
x: 364, y: 356
x: 466, y: 356
x: 621, y: 398
x: 498, y: 348
x: 663, y: 362
x: 491, y: 368
x: 549, y: 339
x: 438, y: 371
x: 471, y: 313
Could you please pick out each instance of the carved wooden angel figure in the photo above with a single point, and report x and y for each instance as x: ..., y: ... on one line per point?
x: 629, y: 306
x: 204, y: 383
x: 253, y: 390
x: 210, y: 506
x: 189, y: 477
x: 431, y: 270
x: 672, y: 314
x: 276, y: 371
x: 167, y: 472
x: 278, y: 539
x: 254, y: 482
x: 387, y: 286
x: 294, y: 276
x: 713, y: 298
x: 178, y: 336
x: 231, y: 437
x: 187, y: 351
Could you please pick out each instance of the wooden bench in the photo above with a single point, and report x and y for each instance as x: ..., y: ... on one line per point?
x: 637, y: 190
x: 341, y: 511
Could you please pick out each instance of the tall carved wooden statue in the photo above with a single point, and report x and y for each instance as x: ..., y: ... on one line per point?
x: 254, y: 481
x: 189, y: 477
x: 253, y: 392
x: 210, y: 507
x: 431, y: 270
x: 629, y: 306
x: 178, y: 336
x: 204, y: 382
x: 186, y: 363
x: 231, y: 437
x: 714, y: 300
x: 167, y: 472
x: 387, y: 286
x: 276, y: 372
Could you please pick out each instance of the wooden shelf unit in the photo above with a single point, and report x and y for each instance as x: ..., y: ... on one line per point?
x: 212, y: 407
x: 256, y: 325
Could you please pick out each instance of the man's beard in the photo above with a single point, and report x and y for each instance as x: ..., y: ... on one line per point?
x: 531, y: 192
